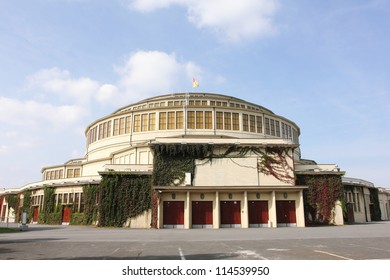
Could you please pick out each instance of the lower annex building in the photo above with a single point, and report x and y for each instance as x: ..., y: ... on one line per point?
x: 208, y: 160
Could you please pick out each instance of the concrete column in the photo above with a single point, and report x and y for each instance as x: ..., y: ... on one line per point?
x: 160, y: 212
x: 187, y: 212
x: 216, y: 213
x: 244, y: 212
x: 272, y: 211
x: 300, y: 212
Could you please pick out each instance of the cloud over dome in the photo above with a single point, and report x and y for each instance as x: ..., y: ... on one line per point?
x: 230, y: 20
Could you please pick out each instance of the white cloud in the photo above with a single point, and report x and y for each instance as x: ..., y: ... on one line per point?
x: 230, y: 20
x: 3, y: 149
x: 75, y: 90
x: 148, y: 73
x: 27, y: 113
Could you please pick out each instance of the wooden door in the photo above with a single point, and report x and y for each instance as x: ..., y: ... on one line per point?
x: 66, y: 214
x: 35, y: 214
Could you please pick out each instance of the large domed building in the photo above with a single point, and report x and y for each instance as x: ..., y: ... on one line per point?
x: 182, y: 160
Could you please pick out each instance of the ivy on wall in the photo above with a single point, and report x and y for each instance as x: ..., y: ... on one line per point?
x: 50, y: 213
x: 27, y: 205
x: 13, y: 202
x: 273, y: 160
x: 320, y: 197
x: 90, y: 193
x: 123, y: 196
x: 374, y: 198
x: 172, y: 161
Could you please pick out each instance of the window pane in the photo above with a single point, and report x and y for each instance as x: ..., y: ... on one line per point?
x: 199, y: 120
x: 163, y: 121
x: 228, y: 121
x: 277, y: 128
x: 208, y: 120
x: 219, y: 120
x: 144, y: 122
x: 137, y: 123
x: 152, y: 121
x: 191, y: 119
x: 245, y: 124
x: 116, y: 127
x: 122, y: 127
x: 128, y: 124
x: 267, y: 129
x: 259, y: 124
x: 179, y: 120
x: 171, y: 120
x: 252, y: 123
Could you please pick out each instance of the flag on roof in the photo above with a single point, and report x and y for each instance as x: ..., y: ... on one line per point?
x: 194, y: 83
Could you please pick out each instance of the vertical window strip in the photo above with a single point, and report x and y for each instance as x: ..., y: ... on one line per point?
x: 245, y: 124
x: 179, y: 120
x: 219, y: 120
x: 144, y: 122
x: 252, y: 122
x: 267, y: 128
x: 272, y: 122
x: 191, y: 119
x: 236, y: 121
x: 162, y: 125
x: 199, y: 120
x: 227, y: 121
x: 277, y: 128
x: 108, y: 129
x: 259, y: 124
x: 128, y: 125
x: 137, y: 123
x: 171, y: 120
x: 116, y: 127
x: 152, y: 121
x: 208, y: 120
x: 122, y: 126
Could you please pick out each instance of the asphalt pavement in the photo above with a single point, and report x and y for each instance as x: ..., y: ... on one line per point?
x: 349, y: 242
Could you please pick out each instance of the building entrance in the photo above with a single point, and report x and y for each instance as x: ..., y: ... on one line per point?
x: 202, y: 214
x: 285, y: 213
x: 258, y: 213
x: 173, y: 214
x: 231, y: 214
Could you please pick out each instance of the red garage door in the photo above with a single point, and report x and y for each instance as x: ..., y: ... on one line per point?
x: 35, y: 214
x: 173, y: 214
x: 66, y: 212
x: 285, y: 213
x: 230, y: 214
x: 202, y: 214
x: 258, y: 213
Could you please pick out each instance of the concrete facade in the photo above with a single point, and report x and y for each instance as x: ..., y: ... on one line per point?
x: 123, y: 142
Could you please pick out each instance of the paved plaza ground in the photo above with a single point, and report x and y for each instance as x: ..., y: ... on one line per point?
x: 43, y: 242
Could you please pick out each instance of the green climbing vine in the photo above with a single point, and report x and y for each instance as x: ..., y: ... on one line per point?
x: 49, y: 214
x: 13, y: 202
x: 123, y: 196
x: 273, y: 160
x: 27, y: 205
x: 90, y: 214
x: 321, y: 196
x: 374, y: 198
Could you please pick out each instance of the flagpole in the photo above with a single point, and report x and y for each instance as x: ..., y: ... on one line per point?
x: 187, y: 94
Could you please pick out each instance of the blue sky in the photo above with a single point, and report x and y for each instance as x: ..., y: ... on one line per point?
x: 323, y: 64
